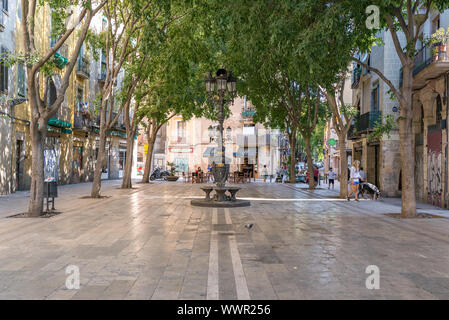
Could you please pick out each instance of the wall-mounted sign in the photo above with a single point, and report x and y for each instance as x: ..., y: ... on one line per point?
x: 332, y: 142
x: 180, y: 150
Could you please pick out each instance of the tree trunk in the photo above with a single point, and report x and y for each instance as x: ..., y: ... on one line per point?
x: 343, y: 167
x: 292, y: 169
x: 309, y: 163
x: 96, y: 185
x: 126, y: 182
x: 151, y: 138
x: 406, y: 148
x: 36, y: 204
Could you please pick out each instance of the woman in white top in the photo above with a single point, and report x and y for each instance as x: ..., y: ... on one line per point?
x: 355, y: 180
x: 265, y: 173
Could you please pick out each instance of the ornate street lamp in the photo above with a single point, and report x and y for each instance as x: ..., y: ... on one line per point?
x: 210, y: 83
x: 211, y: 131
x: 228, y: 133
x: 232, y: 81
x: 221, y: 90
x: 222, y: 81
x: 224, y: 84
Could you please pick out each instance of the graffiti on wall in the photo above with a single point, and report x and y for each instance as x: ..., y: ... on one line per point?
x: 434, y: 178
x: 419, y: 173
x: 51, y: 159
x: 434, y: 174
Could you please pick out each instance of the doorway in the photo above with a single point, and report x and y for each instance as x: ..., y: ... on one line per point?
x: 19, y: 165
x: 77, y: 164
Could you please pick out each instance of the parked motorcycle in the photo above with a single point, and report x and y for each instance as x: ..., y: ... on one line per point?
x: 159, y: 174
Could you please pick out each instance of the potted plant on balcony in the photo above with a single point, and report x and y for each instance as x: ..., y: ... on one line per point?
x: 172, y: 176
x: 438, y: 41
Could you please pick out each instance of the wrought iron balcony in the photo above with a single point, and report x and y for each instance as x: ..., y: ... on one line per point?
x: 83, y: 69
x: 430, y: 62
x: 82, y: 121
x: 356, y: 74
x: 102, y: 76
x: 368, y: 121
x: 364, y: 123
x: 178, y: 140
x: 352, y: 133
x: 248, y: 114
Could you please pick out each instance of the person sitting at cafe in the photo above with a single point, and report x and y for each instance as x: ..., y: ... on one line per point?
x: 199, y: 171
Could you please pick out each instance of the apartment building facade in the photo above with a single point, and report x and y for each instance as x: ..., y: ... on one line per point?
x: 72, y: 142
x: 248, y: 146
x: 8, y: 17
x: 430, y: 111
x: 379, y: 156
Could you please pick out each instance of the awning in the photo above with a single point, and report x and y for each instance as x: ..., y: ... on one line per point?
x: 245, y: 152
x: 210, y: 151
x: 219, y: 159
x: 59, y: 123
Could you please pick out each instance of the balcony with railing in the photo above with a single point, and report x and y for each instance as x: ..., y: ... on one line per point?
x: 352, y: 133
x: 102, y: 76
x: 248, y: 112
x: 364, y: 123
x: 430, y: 62
x: 175, y: 140
x: 82, y: 121
x: 83, y: 68
x: 119, y: 124
x: 356, y: 74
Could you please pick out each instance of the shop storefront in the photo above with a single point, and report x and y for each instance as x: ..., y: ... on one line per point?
x: 121, y: 159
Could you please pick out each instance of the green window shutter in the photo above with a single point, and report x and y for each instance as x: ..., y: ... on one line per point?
x: 21, y: 82
x: 3, y: 74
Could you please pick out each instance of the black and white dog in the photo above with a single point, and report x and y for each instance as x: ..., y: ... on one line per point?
x: 369, y: 188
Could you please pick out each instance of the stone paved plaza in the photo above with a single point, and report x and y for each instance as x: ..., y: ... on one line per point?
x: 150, y: 243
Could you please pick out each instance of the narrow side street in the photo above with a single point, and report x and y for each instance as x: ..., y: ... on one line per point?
x: 150, y: 243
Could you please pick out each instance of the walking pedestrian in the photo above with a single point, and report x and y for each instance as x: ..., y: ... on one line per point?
x: 315, y: 175
x: 331, y: 179
x: 355, y: 180
x: 265, y: 173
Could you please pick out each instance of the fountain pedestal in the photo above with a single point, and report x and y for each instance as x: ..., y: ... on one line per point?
x: 220, y: 199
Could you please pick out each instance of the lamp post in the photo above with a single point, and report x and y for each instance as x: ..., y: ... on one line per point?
x: 221, y: 89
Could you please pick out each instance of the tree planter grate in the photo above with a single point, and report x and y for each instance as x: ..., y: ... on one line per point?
x: 45, y: 215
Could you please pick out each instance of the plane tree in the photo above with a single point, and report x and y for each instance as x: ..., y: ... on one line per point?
x: 41, y: 66
x: 347, y: 27
x: 120, y: 41
x: 260, y: 44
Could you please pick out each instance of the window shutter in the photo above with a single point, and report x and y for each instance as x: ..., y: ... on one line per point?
x: 4, y: 74
x: 377, y: 101
x: 21, y: 83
